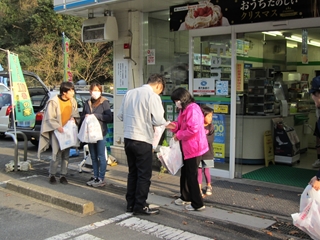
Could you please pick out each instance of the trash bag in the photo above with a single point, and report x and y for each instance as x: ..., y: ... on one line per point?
x: 171, y: 157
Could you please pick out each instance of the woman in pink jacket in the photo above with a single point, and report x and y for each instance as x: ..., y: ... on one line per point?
x: 189, y: 130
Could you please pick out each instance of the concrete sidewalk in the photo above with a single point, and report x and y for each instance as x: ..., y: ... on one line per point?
x: 244, y: 203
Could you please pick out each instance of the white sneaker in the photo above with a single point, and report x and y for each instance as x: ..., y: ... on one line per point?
x: 316, y: 164
x: 98, y: 183
x: 91, y: 180
x: 180, y: 202
x: 209, y: 191
x: 190, y: 208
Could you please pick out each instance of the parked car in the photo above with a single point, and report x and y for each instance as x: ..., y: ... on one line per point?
x: 39, y: 95
x: 5, y: 109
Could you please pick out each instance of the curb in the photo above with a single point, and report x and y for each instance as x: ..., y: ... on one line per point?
x: 53, y: 197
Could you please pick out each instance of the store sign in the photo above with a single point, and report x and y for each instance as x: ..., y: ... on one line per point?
x: 122, y: 78
x: 215, y: 13
x: 217, y: 108
x: 203, y: 86
x: 219, y: 122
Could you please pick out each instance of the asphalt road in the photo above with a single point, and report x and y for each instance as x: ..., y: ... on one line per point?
x: 22, y: 217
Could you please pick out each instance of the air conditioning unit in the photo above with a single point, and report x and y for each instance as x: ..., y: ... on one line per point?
x: 99, y: 29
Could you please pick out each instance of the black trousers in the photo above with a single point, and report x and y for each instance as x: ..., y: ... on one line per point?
x: 189, y: 186
x: 139, y: 159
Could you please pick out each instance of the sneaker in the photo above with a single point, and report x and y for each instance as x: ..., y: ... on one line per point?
x: 98, y: 183
x: 190, y: 208
x: 316, y: 164
x: 146, y: 211
x: 180, y: 202
x: 52, y: 180
x: 91, y: 180
x: 63, y: 180
x: 209, y: 190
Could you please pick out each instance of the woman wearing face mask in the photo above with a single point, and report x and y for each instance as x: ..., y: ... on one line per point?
x: 189, y: 130
x: 100, y: 107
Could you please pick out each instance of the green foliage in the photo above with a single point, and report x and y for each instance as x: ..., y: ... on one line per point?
x: 33, y: 30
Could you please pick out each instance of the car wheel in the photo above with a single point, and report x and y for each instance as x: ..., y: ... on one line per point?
x: 2, y: 135
x: 35, y: 142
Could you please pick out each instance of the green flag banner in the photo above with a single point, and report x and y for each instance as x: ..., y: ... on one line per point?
x: 67, y: 65
x: 24, y: 113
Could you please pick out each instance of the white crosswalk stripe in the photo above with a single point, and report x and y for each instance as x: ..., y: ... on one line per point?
x: 86, y: 237
x: 133, y: 223
x: 158, y: 230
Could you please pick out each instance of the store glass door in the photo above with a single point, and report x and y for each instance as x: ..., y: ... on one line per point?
x: 211, y: 73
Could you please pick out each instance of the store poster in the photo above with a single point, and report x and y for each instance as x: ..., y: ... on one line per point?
x: 239, y: 77
x: 151, y: 57
x: 219, y: 123
x: 24, y: 113
x: 122, y: 77
x: 222, y: 88
x: 203, y: 86
x: 215, y: 13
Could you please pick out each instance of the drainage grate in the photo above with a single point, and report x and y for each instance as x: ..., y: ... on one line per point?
x: 288, y: 229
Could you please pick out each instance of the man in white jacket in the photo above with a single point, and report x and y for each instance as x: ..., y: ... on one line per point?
x: 140, y: 111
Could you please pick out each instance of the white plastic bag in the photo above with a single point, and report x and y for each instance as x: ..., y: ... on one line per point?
x: 69, y: 137
x: 90, y: 130
x: 308, y: 220
x: 305, y: 198
x: 158, y: 131
x: 171, y: 157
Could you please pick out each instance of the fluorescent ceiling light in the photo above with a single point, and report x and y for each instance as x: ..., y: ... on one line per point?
x: 273, y: 33
x: 314, y: 43
x: 292, y: 44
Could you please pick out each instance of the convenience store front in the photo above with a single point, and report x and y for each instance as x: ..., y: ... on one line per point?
x: 214, y: 64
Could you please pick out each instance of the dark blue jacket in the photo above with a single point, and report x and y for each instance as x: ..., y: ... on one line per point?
x: 101, y: 111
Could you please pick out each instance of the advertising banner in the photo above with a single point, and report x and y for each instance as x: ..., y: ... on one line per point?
x: 218, y: 120
x: 216, y: 13
x: 24, y: 113
x: 67, y: 66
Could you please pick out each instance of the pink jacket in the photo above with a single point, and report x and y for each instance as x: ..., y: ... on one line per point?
x: 190, y: 131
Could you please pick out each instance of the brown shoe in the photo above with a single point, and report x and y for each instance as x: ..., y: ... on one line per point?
x: 63, y: 180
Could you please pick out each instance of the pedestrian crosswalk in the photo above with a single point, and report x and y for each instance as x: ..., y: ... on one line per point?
x: 128, y: 221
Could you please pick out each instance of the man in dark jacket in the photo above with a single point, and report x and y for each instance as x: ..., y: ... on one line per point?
x: 315, y: 95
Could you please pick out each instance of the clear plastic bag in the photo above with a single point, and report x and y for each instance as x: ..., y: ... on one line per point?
x: 171, y: 157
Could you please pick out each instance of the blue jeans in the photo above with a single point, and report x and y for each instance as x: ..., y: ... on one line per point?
x: 98, y: 156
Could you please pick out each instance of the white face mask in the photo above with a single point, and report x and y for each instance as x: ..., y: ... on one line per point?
x: 178, y: 104
x: 95, y: 95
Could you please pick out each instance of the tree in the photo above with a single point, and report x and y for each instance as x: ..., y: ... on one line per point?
x: 34, y: 31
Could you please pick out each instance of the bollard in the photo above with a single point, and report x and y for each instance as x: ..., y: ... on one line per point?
x: 25, y: 142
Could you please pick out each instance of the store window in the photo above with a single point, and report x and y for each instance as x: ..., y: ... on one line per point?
x: 292, y: 59
x: 166, y: 51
